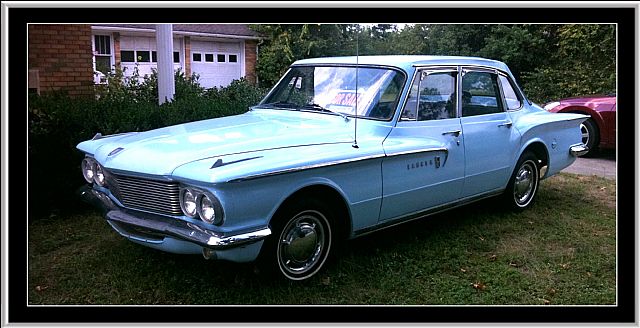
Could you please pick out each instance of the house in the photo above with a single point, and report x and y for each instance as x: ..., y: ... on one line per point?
x: 75, y: 57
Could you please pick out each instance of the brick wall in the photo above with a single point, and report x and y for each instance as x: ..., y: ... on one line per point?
x: 250, y: 60
x: 187, y: 56
x: 116, y: 49
x: 61, y: 53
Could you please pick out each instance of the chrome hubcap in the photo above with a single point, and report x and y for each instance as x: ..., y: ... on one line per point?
x: 302, y: 242
x: 525, y: 183
x: 585, y: 133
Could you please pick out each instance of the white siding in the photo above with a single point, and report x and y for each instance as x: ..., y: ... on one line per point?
x: 140, y: 43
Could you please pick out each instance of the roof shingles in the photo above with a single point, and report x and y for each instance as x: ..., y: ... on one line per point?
x: 226, y: 29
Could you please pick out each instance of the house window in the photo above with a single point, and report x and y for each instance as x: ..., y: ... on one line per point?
x: 154, y: 57
x: 233, y: 58
x: 208, y: 58
x: 143, y: 56
x: 102, y: 53
x: 197, y: 57
x: 127, y: 56
x: 221, y: 58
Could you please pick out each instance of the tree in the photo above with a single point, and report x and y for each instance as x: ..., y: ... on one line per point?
x: 287, y: 43
x: 550, y: 61
x: 582, y: 61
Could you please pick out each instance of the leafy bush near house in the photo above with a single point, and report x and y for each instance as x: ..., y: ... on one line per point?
x: 57, y: 123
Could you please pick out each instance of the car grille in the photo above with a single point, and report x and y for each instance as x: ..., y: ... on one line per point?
x: 143, y: 194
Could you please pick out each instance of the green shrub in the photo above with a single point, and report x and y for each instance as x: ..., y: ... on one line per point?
x: 57, y: 123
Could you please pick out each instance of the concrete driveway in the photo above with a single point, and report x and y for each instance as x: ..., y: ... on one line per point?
x: 603, y: 164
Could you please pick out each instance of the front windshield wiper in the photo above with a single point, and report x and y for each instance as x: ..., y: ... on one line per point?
x: 319, y: 108
x: 281, y: 104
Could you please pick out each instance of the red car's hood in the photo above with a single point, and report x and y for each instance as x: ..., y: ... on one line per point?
x: 589, y: 99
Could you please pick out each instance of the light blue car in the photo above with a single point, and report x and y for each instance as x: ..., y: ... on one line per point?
x: 339, y: 148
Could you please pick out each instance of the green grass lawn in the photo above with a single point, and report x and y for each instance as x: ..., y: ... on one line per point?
x: 560, y: 251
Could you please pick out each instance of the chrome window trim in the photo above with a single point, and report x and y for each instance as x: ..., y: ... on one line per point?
x: 490, y: 70
x: 418, y: 71
x: 515, y: 89
x: 498, y: 70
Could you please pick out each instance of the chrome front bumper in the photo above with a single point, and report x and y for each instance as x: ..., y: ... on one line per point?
x: 142, y: 225
x: 578, y: 150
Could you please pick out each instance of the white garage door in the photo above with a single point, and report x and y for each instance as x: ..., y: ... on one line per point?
x: 140, y: 52
x: 217, y: 63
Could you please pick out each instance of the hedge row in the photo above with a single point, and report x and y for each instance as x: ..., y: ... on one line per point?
x: 57, y: 123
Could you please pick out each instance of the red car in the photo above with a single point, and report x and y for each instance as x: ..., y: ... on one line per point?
x: 598, y: 132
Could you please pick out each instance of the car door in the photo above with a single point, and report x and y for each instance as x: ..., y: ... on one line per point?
x: 424, y: 163
x: 489, y: 136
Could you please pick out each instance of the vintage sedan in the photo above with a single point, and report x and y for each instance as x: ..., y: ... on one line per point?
x: 339, y: 148
x: 599, y: 131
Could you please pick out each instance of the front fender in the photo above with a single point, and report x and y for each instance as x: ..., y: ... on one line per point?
x: 252, y: 186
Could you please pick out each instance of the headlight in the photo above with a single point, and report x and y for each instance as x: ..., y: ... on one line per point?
x: 98, y: 176
x: 210, y: 209
x: 551, y: 106
x: 88, y: 169
x: 207, y: 210
x: 188, y: 202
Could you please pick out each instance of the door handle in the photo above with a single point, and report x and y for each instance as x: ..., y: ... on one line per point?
x: 454, y: 133
x: 507, y: 124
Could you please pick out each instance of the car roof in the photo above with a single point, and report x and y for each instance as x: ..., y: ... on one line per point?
x: 406, y: 61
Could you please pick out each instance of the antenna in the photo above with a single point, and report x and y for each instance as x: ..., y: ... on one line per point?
x: 355, y: 129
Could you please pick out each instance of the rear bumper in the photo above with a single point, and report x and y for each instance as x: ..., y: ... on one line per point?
x: 578, y: 150
x: 153, y: 229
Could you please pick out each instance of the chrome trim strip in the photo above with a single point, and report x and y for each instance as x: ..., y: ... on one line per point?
x: 578, y: 150
x: 186, y: 231
x: 416, y: 151
x: 344, y: 161
x: 422, y: 214
x: 306, y: 167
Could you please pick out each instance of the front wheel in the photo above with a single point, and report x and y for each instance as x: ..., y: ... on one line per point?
x: 302, y: 240
x: 590, y: 136
x: 524, y: 182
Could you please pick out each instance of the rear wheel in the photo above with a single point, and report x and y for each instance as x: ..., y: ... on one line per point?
x: 301, y: 242
x: 523, y: 185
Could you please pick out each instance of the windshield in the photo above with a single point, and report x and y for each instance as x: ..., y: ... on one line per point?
x: 332, y: 89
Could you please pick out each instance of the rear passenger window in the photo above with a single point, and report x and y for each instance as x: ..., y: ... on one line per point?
x: 513, y: 102
x: 480, y: 94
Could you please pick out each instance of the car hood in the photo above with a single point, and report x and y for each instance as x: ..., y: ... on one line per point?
x: 161, y: 151
x: 589, y: 99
